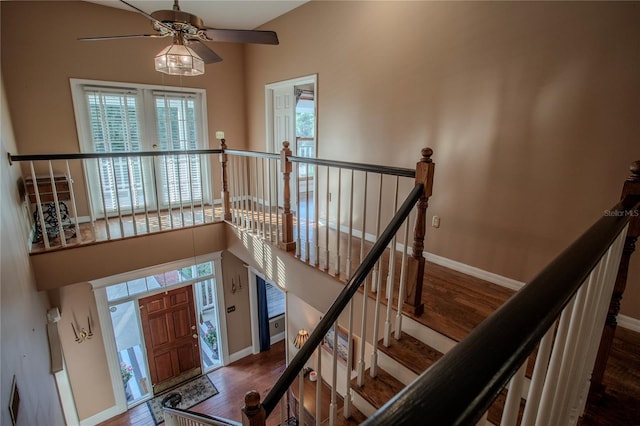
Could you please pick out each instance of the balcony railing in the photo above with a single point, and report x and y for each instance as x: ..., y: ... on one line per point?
x: 563, y: 310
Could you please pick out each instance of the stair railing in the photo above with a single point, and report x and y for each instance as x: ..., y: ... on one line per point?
x: 330, y: 317
x: 562, y: 310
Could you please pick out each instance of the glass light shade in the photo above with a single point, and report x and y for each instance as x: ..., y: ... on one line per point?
x: 301, y: 337
x: 178, y: 59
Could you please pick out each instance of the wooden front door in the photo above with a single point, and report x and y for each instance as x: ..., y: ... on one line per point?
x: 171, y: 337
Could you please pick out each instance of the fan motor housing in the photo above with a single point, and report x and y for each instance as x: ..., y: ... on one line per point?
x: 178, y: 16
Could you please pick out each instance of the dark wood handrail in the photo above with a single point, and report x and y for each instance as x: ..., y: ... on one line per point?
x: 461, y: 386
x: 374, y: 168
x: 394, y: 171
x: 89, y: 155
x: 345, y: 296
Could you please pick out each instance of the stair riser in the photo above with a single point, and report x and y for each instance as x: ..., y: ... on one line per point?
x: 396, y: 369
x: 432, y: 338
x: 364, y: 406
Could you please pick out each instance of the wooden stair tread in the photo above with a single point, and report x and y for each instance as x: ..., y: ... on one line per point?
x: 411, y: 353
x: 355, y: 419
x: 377, y: 390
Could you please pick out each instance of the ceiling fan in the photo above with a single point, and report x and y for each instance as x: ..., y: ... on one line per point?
x: 188, y: 53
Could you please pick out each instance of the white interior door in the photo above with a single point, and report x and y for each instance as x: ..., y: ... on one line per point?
x: 284, y: 129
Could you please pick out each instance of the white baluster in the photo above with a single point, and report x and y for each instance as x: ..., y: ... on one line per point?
x: 391, y: 276
x: 550, y: 385
x: 333, y: 408
x: 403, y: 280
x: 104, y: 200
x: 74, y: 209
x: 338, y: 223
x: 36, y: 191
x: 347, y: 395
x: 350, y: 236
x: 319, y: 388
x: 538, y: 378
x: 131, y: 196
x: 512, y: 404
x: 326, y: 226
x: 375, y: 282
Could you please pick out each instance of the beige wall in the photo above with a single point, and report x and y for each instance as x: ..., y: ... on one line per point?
x: 40, y: 53
x: 531, y: 108
x: 85, y: 263
x: 86, y: 361
x: 24, y: 350
x: 238, y: 321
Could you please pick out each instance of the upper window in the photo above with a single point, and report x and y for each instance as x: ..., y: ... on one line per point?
x: 124, y: 118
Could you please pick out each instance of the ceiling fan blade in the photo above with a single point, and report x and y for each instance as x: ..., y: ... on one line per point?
x: 242, y: 36
x: 151, y: 18
x: 123, y: 36
x: 207, y: 55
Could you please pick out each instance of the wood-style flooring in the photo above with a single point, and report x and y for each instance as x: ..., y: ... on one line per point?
x: 455, y: 303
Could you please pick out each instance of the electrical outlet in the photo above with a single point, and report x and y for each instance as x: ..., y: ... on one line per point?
x: 435, y: 221
x: 219, y: 135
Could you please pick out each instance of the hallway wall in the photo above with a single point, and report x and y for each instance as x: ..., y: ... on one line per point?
x: 24, y: 351
x: 531, y: 108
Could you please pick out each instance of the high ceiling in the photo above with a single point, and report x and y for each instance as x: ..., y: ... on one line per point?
x: 232, y: 14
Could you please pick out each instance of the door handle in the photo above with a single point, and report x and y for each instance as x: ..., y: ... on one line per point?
x: 193, y: 327
x: 195, y: 336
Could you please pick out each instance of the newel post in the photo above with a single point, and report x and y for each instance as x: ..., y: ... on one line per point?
x: 253, y: 413
x: 288, y: 243
x: 631, y: 190
x: 226, y: 206
x: 415, y: 276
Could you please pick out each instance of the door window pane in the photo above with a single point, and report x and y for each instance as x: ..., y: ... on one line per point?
x: 133, y: 368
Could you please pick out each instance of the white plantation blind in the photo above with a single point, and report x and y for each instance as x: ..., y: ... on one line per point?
x: 177, y: 122
x: 112, y: 118
x: 115, y: 127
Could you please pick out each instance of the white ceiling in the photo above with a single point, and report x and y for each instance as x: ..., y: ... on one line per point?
x: 228, y: 14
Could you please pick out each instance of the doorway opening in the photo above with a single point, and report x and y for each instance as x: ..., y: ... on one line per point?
x: 268, y: 303
x: 141, y: 347
x: 291, y: 115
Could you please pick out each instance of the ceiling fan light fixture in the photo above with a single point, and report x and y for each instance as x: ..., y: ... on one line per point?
x: 178, y: 59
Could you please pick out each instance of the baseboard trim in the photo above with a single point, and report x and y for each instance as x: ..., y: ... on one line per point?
x: 475, y: 272
x: 240, y: 354
x: 629, y: 323
x: 277, y: 337
x: 623, y: 320
x: 103, y: 416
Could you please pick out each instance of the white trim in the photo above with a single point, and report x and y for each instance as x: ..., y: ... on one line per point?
x: 111, y: 350
x: 277, y: 337
x: 151, y: 270
x: 253, y: 308
x: 240, y: 354
x: 102, y: 416
x: 446, y: 262
x: 66, y: 396
x: 268, y: 99
x: 629, y: 323
x: 475, y: 272
x: 220, y: 304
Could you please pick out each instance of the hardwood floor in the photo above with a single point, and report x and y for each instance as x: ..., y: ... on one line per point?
x: 455, y: 303
x: 255, y: 372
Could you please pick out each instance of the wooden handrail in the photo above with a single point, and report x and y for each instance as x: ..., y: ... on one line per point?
x: 461, y: 386
x: 374, y: 168
x: 89, y: 155
x: 345, y: 296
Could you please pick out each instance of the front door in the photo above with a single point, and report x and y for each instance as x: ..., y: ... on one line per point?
x: 171, y: 337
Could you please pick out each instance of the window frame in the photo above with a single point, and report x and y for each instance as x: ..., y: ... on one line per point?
x: 145, y: 95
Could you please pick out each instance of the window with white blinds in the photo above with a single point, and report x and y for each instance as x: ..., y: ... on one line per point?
x: 114, y: 118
